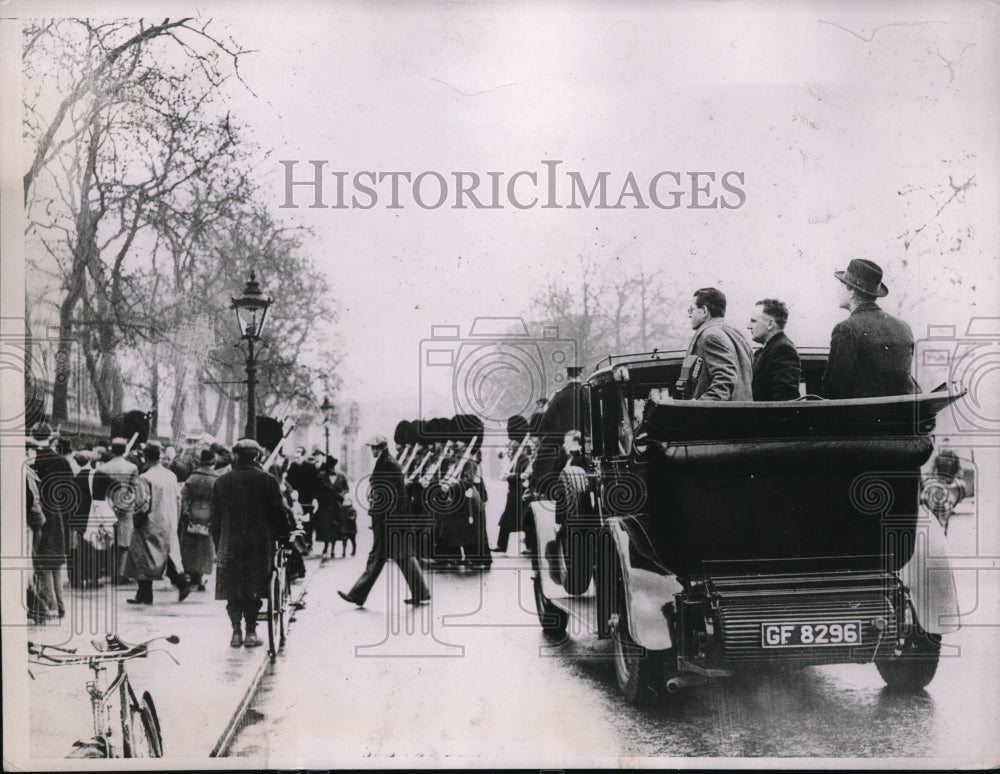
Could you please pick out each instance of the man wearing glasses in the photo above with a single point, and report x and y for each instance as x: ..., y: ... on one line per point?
x: 719, y: 363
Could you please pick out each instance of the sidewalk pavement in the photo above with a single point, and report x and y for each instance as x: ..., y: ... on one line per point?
x: 199, y: 702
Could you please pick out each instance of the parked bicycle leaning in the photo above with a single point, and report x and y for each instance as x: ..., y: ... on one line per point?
x: 136, y: 723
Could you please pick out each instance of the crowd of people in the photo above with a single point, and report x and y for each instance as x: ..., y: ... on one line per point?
x: 127, y: 513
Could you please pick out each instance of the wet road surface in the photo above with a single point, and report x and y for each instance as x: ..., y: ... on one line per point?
x: 472, y: 680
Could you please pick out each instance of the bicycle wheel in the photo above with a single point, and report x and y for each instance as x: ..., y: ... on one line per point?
x: 282, y: 605
x: 144, y: 740
x: 273, y: 614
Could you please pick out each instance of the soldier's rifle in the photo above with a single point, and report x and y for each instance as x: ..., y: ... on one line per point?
x: 423, y: 464
x: 456, y: 471
x: 512, y: 468
x: 429, y: 475
x: 407, y: 457
x: 277, y: 448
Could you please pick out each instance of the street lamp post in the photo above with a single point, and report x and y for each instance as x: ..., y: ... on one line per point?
x: 251, y: 314
x: 327, y: 409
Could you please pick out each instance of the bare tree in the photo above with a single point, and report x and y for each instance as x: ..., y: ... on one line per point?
x: 133, y: 126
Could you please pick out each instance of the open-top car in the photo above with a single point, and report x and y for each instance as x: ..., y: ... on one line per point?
x: 707, y: 538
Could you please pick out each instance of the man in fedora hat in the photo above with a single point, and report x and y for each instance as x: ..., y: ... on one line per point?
x: 871, y: 352
x: 387, y: 498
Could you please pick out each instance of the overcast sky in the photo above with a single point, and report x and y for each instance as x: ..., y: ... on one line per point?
x: 855, y: 129
x: 845, y: 122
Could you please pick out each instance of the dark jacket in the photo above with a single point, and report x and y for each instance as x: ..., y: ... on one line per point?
x: 387, y: 489
x: 303, y: 477
x: 871, y: 353
x: 776, y: 370
x: 58, y: 499
x: 330, y: 501
x: 247, y: 517
x: 102, y: 488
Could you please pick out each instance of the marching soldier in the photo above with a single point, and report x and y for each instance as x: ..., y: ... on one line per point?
x: 518, y: 451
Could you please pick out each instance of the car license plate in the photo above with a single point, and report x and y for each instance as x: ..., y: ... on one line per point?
x: 809, y: 634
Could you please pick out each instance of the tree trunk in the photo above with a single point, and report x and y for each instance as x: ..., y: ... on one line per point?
x: 63, y: 357
x: 178, y: 406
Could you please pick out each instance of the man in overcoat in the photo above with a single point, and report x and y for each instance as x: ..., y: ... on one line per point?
x: 247, y: 517
x: 126, y: 496
x: 386, y: 499
x: 871, y: 352
x: 718, y: 364
x: 776, y: 365
x: 154, y: 548
x: 518, y: 451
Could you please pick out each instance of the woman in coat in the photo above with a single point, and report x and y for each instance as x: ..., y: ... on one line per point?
x: 197, y: 548
x: 330, y: 493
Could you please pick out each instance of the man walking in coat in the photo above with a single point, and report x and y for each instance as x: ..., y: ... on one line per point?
x: 718, y: 365
x: 387, y: 498
x: 776, y: 365
x: 126, y: 496
x: 247, y: 517
x: 871, y: 352
x: 155, y: 548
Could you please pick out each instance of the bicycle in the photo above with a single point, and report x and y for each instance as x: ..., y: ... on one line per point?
x: 279, y: 589
x: 141, y: 735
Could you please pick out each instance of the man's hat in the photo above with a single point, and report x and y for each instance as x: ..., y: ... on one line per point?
x: 377, y: 440
x: 207, y: 457
x: 865, y: 276
x: 574, y: 372
x: 247, y: 447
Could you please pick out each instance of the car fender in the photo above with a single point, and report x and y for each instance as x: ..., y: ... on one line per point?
x: 931, y: 580
x: 647, y: 588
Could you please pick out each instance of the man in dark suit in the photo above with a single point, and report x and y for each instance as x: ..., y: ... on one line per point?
x: 871, y: 352
x: 387, y: 498
x: 776, y: 366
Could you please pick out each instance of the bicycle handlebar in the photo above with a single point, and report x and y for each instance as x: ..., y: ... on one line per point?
x: 115, y: 650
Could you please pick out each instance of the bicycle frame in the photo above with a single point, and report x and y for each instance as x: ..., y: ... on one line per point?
x: 102, y: 691
x: 100, y: 703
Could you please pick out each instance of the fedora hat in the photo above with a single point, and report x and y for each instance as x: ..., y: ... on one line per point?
x: 865, y: 276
